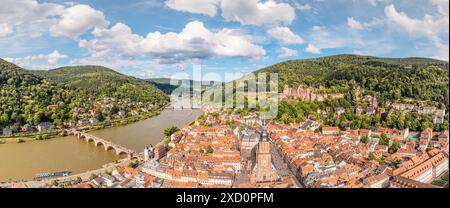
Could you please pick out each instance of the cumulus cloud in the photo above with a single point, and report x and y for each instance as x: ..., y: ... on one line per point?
x: 434, y: 27
x: 257, y: 12
x: 442, y: 6
x: 195, y: 41
x: 357, y: 25
x: 23, y: 13
x: 354, y: 24
x: 321, y: 37
x: 206, y: 7
x: 287, y: 53
x: 285, y: 36
x: 54, y: 57
x: 431, y: 26
x: 312, y: 49
x: 78, y: 19
x: 41, y: 61
x: 5, y: 30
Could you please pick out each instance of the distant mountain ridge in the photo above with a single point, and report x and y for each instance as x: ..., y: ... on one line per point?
x: 165, y: 84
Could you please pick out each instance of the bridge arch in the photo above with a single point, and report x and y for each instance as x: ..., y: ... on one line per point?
x: 110, y: 147
x: 119, y: 150
x: 99, y: 143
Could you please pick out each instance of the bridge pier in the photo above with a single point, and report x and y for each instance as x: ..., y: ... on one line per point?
x: 107, y: 145
x: 130, y: 156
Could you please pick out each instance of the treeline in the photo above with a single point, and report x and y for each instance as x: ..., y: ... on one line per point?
x: 104, y: 82
x: 33, y: 97
x: 390, y: 79
x: 298, y: 111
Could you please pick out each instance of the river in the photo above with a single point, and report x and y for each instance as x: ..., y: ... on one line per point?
x: 22, y: 161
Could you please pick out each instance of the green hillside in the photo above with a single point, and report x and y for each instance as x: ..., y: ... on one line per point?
x: 105, y: 82
x: 25, y: 96
x: 390, y: 78
x: 69, y: 94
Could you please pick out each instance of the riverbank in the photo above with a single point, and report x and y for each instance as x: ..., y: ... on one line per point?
x: 39, y: 136
x: 22, y: 161
x: 71, y: 178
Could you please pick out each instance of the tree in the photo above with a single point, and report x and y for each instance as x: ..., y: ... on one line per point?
x: 78, y: 180
x: 171, y: 130
x: 93, y: 176
x: 394, y: 147
x: 396, y: 163
x: 166, y: 141
x: 371, y: 156
x: 209, y: 149
x: 133, y: 164
x: 365, y: 139
x: 384, y: 140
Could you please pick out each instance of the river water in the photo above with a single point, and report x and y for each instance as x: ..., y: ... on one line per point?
x: 22, y: 161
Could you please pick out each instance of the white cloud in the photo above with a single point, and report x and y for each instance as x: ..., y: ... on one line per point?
x: 257, y: 12
x: 442, y: 6
x: 206, y: 7
x: 54, y: 57
x: 285, y: 36
x: 247, y: 12
x: 343, y: 38
x: 193, y: 42
x: 322, y: 38
x: 144, y: 74
x: 5, y: 30
x: 24, y: 14
x: 434, y: 27
x: 41, y: 61
x: 354, y: 24
x: 357, y: 25
x: 287, y: 52
x: 77, y: 20
x: 375, y: 2
x: 22, y: 11
x: 312, y: 49
x: 431, y: 26
x: 303, y: 7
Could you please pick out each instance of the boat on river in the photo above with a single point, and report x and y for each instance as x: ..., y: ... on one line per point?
x: 52, y: 174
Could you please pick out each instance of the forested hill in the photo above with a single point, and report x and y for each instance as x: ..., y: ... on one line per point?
x: 391, y: 78
x: 32, y: 97
x: 12, y: 75
x: 24, y: 96
x: 98, y: 79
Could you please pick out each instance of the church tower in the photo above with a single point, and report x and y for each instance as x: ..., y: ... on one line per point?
x: 264, y: 162
x: 264, y: 170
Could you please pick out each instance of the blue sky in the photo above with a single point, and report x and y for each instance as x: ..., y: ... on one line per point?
x: 158, y: 38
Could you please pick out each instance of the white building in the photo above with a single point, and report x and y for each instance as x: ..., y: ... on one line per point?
x: 45, y: 126
x: 7, y: 132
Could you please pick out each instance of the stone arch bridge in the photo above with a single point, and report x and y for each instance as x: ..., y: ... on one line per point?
x: 101, y: 142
